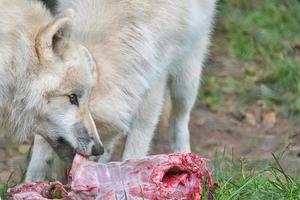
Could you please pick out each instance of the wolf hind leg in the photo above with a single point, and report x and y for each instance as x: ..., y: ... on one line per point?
x: 183, y: 85
x: 110, y: 147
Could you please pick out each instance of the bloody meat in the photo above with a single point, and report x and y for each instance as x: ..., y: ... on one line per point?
x: 177, y: 176
x: 39, y: 191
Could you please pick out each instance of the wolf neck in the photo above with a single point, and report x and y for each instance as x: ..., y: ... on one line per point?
x: 16, y: 64
x: 13, y: 110
x: 16, y: 89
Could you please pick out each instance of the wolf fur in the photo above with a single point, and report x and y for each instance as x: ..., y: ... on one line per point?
x: 41, y: 66
x: 143, y: 49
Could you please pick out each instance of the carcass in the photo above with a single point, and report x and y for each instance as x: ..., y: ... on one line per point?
x: 178, y: 176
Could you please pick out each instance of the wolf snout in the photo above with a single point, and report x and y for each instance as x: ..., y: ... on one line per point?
x: 97, y: 149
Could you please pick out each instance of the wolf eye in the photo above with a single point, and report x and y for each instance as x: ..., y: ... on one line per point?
x: 73, y: 99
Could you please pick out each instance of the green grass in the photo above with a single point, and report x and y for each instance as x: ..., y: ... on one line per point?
x: 241, y: 179
x: 10, y: 184
x: 5, y: 187
x: 259, y: 36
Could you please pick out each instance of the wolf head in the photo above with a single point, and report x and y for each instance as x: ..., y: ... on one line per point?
x: 55, y: 91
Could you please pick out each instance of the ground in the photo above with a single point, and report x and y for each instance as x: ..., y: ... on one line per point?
x: 248, y: 105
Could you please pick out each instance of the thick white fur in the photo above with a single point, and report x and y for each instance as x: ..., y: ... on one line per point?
x: 142, y: 49
x: 40, y: 67
x: 20, y: 88
x: 139, y: 46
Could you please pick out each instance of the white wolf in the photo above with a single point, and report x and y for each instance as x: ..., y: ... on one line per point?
x: 143, y: 49
x: 43, y: 71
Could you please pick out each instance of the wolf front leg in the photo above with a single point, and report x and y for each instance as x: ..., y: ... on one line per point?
x: 143, y: 126
x: 39, y: 167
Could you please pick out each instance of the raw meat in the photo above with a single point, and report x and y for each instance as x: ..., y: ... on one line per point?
x: 38, y: 191
x: 176, y: 176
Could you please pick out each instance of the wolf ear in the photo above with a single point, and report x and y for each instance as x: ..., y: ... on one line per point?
x: 53, y: 39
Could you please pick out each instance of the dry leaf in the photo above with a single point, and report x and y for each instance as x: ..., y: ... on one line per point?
x: 250, y: 118
x: 200, y: 122
x: 23, y: 149
x: 269, y: 120
x: 297, y: 46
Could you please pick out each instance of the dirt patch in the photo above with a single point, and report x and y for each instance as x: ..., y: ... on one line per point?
x: 216, y: 132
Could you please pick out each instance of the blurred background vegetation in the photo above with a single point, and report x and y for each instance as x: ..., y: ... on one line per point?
x: 255, y: 65
x: 259, y: 42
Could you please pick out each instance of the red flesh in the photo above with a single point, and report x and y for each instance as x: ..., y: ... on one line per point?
x: 176, y: 176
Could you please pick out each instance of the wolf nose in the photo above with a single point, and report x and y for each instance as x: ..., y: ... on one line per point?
x: 97, y: 149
